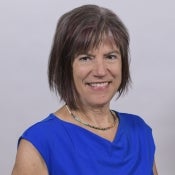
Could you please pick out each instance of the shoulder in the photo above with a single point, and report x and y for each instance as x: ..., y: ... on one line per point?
x: 135, y: 127
x: 130, y: 117
x: 46, y: 125
x: 132, y: 121
x: 42, y: 135
x: 42, y: 132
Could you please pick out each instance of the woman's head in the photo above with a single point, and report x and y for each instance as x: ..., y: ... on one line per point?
x: 79, y: 31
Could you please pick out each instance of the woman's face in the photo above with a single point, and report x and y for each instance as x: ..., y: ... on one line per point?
x: 97, y: 74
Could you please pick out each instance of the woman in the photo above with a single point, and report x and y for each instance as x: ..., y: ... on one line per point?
x: 88, y: 65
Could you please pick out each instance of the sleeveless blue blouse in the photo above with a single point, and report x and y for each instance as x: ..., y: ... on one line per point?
x: 68, y: 149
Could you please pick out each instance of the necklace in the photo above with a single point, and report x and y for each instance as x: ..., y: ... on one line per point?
x: 91, y: 126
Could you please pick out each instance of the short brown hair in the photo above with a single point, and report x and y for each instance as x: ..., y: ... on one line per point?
x: 79, y: 30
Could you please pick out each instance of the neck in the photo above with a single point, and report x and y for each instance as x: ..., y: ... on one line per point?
x: 98, y: 116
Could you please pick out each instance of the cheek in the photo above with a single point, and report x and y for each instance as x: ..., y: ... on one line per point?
x: 78, y: 74
x: 116, y: 70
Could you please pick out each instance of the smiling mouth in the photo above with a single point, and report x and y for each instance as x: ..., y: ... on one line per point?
x: 99, y: 84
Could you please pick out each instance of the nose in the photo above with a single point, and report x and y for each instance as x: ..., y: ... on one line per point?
x: 100, y: 68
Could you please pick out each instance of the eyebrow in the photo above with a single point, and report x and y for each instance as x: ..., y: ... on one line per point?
x: 115, y: 51
x: 106, y: 54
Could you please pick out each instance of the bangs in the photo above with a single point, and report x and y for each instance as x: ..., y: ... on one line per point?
x: 90, y: 38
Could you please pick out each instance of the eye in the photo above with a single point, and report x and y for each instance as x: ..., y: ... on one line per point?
x: 85, y: 58
x: 111, y: 57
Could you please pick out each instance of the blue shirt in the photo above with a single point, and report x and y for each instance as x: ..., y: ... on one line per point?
x: 68, y: 149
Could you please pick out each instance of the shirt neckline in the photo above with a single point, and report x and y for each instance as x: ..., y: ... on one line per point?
x: 69, y: 124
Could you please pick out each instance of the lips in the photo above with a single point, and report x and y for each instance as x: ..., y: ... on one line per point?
x: 99, y: 84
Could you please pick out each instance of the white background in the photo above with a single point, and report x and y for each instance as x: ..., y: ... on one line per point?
x: 26, y: 31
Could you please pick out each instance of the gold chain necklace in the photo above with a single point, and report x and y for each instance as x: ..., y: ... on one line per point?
x: 91, y: 126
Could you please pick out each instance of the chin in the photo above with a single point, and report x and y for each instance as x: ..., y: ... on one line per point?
x: 99, y: 103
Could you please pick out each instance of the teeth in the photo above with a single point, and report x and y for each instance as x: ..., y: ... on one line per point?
x: 99, y: 84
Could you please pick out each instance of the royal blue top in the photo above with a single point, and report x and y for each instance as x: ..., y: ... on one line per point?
x: 68, y: 149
